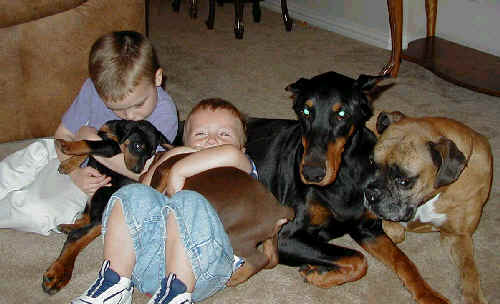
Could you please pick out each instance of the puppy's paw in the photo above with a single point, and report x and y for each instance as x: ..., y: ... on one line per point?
x: 65, y: 167
x: 70, y: 164
x: 56, y: 277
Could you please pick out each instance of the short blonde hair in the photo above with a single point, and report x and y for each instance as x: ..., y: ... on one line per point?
x: 119, y: 61
x: 218, y: 104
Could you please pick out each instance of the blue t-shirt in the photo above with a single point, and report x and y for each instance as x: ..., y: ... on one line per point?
x: 88, y: 109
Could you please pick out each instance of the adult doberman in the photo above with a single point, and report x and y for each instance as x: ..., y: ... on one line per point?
x: 316, y: 165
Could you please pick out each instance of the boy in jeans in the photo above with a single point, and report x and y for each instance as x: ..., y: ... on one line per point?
x: 173, y: 247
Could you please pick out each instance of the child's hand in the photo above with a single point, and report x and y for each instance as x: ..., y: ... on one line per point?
x: 89, y: 180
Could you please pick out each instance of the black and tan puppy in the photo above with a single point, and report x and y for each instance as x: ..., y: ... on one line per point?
x: 251, y: 215
x: 137, y: 140
x: 432, y: 174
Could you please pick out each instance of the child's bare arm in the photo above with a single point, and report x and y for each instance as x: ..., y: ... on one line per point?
x: 220, y: 156
x: 149, y: 170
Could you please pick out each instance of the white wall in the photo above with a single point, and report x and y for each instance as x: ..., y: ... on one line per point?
x: 474, y: 23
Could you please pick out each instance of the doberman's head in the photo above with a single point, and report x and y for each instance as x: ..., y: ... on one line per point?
x: 138, y: 141
x: 331, y: 108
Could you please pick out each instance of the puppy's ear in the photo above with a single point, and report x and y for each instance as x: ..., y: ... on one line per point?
x: 128, y: 129
x: 384, y: 120
x: 164, y: 142
x: 448, y: 159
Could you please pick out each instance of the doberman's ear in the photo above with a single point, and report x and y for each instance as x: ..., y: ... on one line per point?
x: 298, y: 86
x: 128, y: 129
x: 448, y: 159
x: 385, y: 119
x: 164, y: 142
x: 367, y: 82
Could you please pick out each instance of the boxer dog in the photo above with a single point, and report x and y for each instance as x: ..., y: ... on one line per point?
x: 432, y: 174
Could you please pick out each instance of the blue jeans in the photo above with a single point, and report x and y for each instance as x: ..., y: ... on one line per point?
x: 205, y: 240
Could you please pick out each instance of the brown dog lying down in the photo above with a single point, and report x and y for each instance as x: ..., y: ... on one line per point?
x: 251, y: 215
x: 432, y: 174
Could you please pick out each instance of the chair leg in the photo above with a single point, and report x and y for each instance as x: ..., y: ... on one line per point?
x: 176, y: 5
x: 193, y: 10
x: 286, y: 18
x: 239, y: 28
x: 256, y: 10
x: 211, y: 15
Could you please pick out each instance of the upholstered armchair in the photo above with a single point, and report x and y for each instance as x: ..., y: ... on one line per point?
x: 44, y: 55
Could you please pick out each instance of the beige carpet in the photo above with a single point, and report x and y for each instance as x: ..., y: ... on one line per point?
x: 253, y: 73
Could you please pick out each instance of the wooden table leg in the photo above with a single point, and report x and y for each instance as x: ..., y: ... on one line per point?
x: 395, y: 8
x: 431, y: 12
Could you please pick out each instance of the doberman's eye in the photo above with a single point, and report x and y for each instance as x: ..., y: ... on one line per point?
x: 341, y: 114
x: 138, y: 147
x: 306, y: 111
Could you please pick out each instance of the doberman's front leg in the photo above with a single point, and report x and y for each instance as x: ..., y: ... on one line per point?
x: 322, y: 264
x: 106, y: 148
x: 59, y: 273
x: 382, y: 248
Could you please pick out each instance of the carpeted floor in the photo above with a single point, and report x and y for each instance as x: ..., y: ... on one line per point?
x: 253, y: 73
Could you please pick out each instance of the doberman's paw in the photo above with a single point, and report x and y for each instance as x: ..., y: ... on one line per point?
x: 433, y: 298
x: 56, y: 277
x: 326, y: 277
x: 62, y: 145
x: 65, y: 228
x: 65, y: 168
x: 236, y: 279
x: 241, y: 275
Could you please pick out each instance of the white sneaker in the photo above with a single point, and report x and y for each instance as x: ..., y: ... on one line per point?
x: 171, y: 291
x: 109, y: 288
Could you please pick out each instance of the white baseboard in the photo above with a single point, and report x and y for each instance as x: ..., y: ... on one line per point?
x: 338, y: 25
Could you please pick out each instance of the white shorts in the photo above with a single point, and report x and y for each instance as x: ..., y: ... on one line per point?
x: 34, y: 197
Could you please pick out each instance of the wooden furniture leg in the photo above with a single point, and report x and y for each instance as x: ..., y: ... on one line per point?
x: 431, y: 13
x: 176, y: 5
x: 395, y: 8
x: 458, y: 64
x: 256, y: 12
x: 211, y: 15
x: 239, y: 28
x: 286, y: 18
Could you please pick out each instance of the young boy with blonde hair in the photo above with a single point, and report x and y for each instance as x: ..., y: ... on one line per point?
x: 173, y: 247
x: 124, y: 83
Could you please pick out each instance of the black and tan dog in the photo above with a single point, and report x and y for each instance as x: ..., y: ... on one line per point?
x: 433, y: 174
x: 137, y: 140
x: 317, y: 165
x: 251, y: 215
